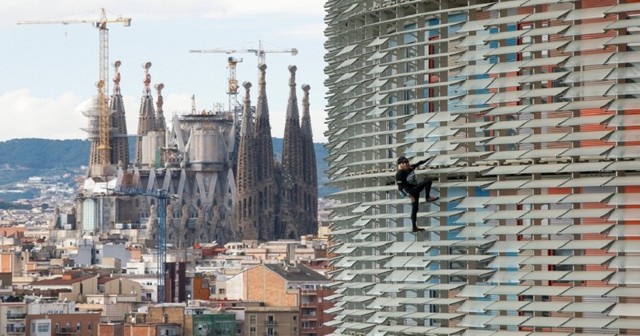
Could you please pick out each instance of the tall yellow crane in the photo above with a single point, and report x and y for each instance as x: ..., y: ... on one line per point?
x: 103, y: 82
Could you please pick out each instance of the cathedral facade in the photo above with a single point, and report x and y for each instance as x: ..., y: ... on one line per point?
x: 276, y: 199
x: 222, y: 186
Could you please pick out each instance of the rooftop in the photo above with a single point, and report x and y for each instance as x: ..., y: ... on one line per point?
x: 297, y: 273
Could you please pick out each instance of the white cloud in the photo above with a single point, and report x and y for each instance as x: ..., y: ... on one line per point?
x: 235, y: 8
x: 11, y: 11
x: 315, y: 31
x: 279, y: 24
x: 25, y: 116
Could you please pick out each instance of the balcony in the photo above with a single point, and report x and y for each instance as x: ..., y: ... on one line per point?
x: 270, y: 323
x: 16, y: 316
x: 6, y: 290
x: 309, y: 317
x: 64, y: 331
x: 309, y: 304
x: 307, y: 327
x: 16, y: 330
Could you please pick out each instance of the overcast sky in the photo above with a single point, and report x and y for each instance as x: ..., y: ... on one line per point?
x: 48, y: 71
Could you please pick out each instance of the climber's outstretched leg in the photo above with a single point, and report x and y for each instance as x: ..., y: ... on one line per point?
x: 414, y: 193
x: 415, y: 204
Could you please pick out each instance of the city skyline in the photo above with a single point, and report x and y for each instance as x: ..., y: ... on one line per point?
x: 53, y: 67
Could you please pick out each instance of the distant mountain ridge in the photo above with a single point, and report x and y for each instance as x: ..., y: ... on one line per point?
x: 44, y: 153
x: 37, y: 156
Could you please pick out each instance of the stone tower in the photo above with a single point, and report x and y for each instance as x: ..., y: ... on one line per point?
x: 265, y: 184
x: 292, y: 166
x: 161, y: 124
x: 275, y: 201
x: 246, y: 227
x: 118, y: 140
x: 309, y: 169
x: 146, y: 117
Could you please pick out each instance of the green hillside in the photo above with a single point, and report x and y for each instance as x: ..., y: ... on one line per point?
x: 21, y: 158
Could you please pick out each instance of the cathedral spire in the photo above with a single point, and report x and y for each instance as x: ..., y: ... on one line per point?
x: 116, y: 78
x: 309, y: 168
x: 292, y: 107
x: 306, y: 116
x: 292, y: 165
x: 247, y: 121
x: 146, y: 117
x: 262, y: 106
x: 245, y: 205
x: 118, y: 140
x: 292, y: 150
x: 263, y: 162
x: 161, y: 124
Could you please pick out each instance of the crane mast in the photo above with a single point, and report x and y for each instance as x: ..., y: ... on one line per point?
x: 103, y: 81
x: 103, y: 47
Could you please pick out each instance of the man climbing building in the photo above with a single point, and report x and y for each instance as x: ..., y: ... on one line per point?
x: 408, y: 184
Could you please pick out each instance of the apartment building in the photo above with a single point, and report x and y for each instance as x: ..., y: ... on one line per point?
x: 12, y: 318
x: 271, y: 321
x: 279, y: 286
x: 313, y: 307
x: 62, y: 323
x: 530, y: 111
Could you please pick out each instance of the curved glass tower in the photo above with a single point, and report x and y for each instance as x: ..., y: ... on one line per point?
x: 531, y: 110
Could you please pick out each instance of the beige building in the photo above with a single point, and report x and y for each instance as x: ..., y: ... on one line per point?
x: 71, y: 286
x: 278, y: 286
x: 116, y: 297
x: 271, y: 321
x: 12, y: 318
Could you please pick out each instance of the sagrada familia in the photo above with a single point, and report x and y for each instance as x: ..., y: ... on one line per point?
x: 218, y: 167
x: 276, y: 200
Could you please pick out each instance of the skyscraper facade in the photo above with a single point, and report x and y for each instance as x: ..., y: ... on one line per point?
x: 530, y: 109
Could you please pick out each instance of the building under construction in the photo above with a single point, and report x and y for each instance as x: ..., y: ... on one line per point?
x: 193, y: 158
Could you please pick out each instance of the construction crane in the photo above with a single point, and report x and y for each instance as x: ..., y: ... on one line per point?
x: 232, y: 62
x: 260, y: 52
x: 103, y: 82
x: 232, y: 81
